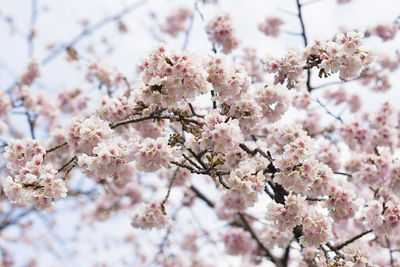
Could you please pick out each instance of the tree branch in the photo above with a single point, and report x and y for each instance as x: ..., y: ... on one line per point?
x: 260, y: 244
x: 351, y: 240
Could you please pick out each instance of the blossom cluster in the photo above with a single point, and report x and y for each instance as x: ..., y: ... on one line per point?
x: 229, y: 81
x: 170, y: 78
x: 246, y: 184
x: 108, y: 159
x: 386, y: 31
x: 220, y: 30
x: 379, y: 130
x: 317, y: 227
x: 271, y: 26
x: 238, y: 242
x: 31, y: 72
x: 289, y: 69
x: 384, y: 216
x: 274, y: 101
x: 103, y: 72
x: 343, y: 55
x: 149, y: 215
x: 175, y: 22
x: 30, y: 180
x: 85, y: 133
x: 73, y: 101
x: 221, y: 134
x: 153, y: 154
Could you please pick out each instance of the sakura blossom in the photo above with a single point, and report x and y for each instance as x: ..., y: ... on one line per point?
x: 221, y: 30
x: 271, y: 26
x: 175, y: 22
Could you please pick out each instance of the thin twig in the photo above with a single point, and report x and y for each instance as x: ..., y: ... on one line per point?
x: 260, y: 244
x: 311, y: 2
x: 202, y: 196
x: 221, y: 180
x: 305, y: 41
x: 32, y: 122
x: 56, y: 147
x: 67, y: 163
x: 32, y: 33
x: 351, y: 240
x: 337, y: 117
x: 187, y: 33
x: 168, y: 192
x: 343, y: 173
x: 91, y: 29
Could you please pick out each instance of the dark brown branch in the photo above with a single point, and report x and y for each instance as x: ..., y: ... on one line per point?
x: 191, y: 161
x: 67, y: 163
x: 74, y: 162
x: 260, y: 244
x: 351, y: 240
x: 342, y: 173
x: 285, y: 256
x: 221, y: 181
x: 316, y: 199
x: 305, y: 41
x: 198, y: 157
x: 192, y: 170
x: 255, y: 151
x: 150, y: 117
x: 154, y: 116
x: 56, y: 147
x: 202, y: 196
x: 214, y: 103
x: 204, y: 171
x: 168, y: 192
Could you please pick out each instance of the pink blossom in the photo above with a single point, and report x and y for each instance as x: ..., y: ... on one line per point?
x: 229, y: 80
x: 317, y: 229
x: 30, y: 179
x: 85, y: 133
x: 220, y: 134
x: 238, y: 242
x: 175, y: 22
x: 288, y: 68
x: 31, y: 72
x: 386, y: 32
x: 153, y: 154
x: 103, y: 72
x: 286, y: 217
x: 342, y: 204
x: 149, y: 215
x: 274, y: 101
x: 220, y: 30
x: 171, y: 77
x: 271, y: 26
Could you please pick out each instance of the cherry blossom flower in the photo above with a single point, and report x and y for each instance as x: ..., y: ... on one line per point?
x: 238, y: 242
x: 175, y: 22
x: 153, y: 154
x: 31, y: 72
x: 221, y: 30
x: 149, y: 215
x: 170, y: 78
x: 271, y: 26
